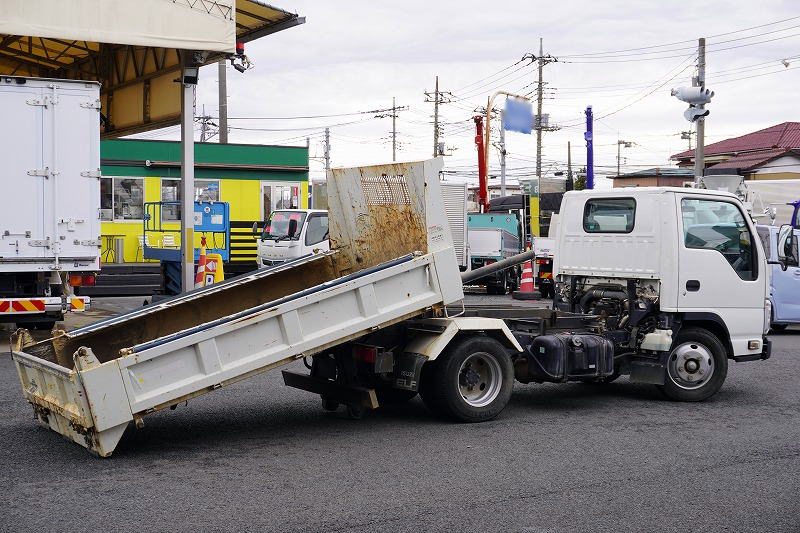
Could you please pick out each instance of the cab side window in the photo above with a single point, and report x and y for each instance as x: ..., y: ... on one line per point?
x: 317, y: 230
x: 719, y: 225
x: 609, y: 215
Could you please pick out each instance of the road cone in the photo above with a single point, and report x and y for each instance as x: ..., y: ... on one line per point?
x: 525, y: 291
x: 200, y: 273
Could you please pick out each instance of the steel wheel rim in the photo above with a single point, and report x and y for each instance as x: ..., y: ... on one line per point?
x: 479, y: 379
x: 691, y: 365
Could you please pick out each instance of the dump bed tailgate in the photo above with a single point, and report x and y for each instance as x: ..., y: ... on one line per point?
x: 61, y: 402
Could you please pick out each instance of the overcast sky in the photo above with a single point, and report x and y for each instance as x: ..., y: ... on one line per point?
x: 354, y: 56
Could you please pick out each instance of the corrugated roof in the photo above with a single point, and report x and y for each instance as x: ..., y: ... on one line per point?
x: 752, y: 159
x: 667, y: 172
x: 785, y: 135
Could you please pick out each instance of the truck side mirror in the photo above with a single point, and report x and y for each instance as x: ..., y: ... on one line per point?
x: 292, y: 227
x: 255, y: 230
x: 787, y: 247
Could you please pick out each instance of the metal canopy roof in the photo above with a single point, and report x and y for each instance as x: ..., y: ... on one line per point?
x: 138, y: 89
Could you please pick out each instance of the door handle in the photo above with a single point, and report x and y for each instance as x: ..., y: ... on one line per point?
x: 692, y: 285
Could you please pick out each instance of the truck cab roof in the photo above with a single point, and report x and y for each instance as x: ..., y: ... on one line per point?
x: 638, y: 191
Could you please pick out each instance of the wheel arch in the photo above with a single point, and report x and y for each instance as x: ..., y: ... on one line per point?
x: 432, y: 344
x: 711, y: 323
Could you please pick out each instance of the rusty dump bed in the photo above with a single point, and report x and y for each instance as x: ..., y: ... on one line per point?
x: 115, y: 336
x: 377, y: 214
x: 393, y: 259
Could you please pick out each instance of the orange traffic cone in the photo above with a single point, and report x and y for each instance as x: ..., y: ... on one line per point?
x: 199, y: 275
x: 525, y: 291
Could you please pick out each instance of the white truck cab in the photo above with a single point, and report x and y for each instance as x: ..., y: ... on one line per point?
x: 291, y: 233
x: 672, y: 261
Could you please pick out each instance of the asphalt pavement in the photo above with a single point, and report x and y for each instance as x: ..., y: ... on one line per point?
x: 258, y: 456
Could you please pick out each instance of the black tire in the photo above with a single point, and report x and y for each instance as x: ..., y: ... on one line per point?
x: 328, y: 404
x: 779, y: 327
x: 389, y: 396
x: 444, y: 380
x: 707, y: 351
x: 354, y: 411
x: 492, y: 289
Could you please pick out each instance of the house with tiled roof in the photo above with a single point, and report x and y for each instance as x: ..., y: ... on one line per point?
x: 768, y: 154
x: 655, y: 177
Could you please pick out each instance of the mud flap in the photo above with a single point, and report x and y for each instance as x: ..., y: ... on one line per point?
x: 649, y: 370
x: 407, y: 370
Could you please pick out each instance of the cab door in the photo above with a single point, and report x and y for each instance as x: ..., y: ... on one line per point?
x: 721, y: 267
x: 786, y: 291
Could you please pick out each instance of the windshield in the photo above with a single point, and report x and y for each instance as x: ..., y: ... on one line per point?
x: 278, y: 223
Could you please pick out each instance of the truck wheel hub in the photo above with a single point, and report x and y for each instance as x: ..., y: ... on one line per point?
x: 480, y: 379
x: 690, y: 366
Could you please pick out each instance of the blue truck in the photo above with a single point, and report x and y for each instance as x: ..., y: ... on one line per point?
x: 784, y: 284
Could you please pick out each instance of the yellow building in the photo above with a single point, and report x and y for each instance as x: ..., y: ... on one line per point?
x: 253, y: 179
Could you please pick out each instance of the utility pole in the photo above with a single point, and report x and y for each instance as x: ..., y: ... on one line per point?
x: 620, y: 144
x: 538, y: 123
x: 700, y: 81
x: 502, y: 155
x: 570, y: 183
x: 687, y: 136
x: 438, y: 97
x: 327, y: 150
x: 436, y: 120
x: 589, y: 136
x: 394, y: 109
x: 394, y: 130
x: 539, y: 126
x: 223, y: 101
x: 203, y: 125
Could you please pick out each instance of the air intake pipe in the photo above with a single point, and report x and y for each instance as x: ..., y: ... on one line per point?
x: 597, y: 294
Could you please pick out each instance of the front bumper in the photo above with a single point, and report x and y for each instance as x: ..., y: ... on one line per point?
x: 766, y: 352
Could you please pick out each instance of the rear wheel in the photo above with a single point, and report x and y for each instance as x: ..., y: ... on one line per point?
x: 471, y: 381
x: 696, y: 368
x: 329, y: 405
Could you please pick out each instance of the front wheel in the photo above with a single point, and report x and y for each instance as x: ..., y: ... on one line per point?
x: 471, y: 381
x: 779, y: 327
x: 696, y: 368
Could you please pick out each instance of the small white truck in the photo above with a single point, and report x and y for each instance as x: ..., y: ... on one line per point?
x: 291, y: 233
x: 50, y: 206
x: 380, y: 317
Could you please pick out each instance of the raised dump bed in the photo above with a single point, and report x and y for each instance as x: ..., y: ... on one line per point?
x: 393, y: 259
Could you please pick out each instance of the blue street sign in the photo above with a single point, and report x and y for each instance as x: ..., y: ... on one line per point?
x: 518, y: 115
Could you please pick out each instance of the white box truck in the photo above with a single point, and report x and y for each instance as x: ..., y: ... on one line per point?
x: 50, y: 206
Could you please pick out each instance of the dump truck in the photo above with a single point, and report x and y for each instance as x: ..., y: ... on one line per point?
x: 378, y: 320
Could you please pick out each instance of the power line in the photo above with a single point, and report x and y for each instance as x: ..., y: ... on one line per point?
x: 679, y: 42
x: 490, y: 76
x: 672, y: 56
x: 482, y: 88
x: 307, y: 128
x: 373, y: 111
x: 599, y: 117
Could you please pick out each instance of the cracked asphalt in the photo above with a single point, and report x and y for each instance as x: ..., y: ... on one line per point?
x: 257, y: 456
